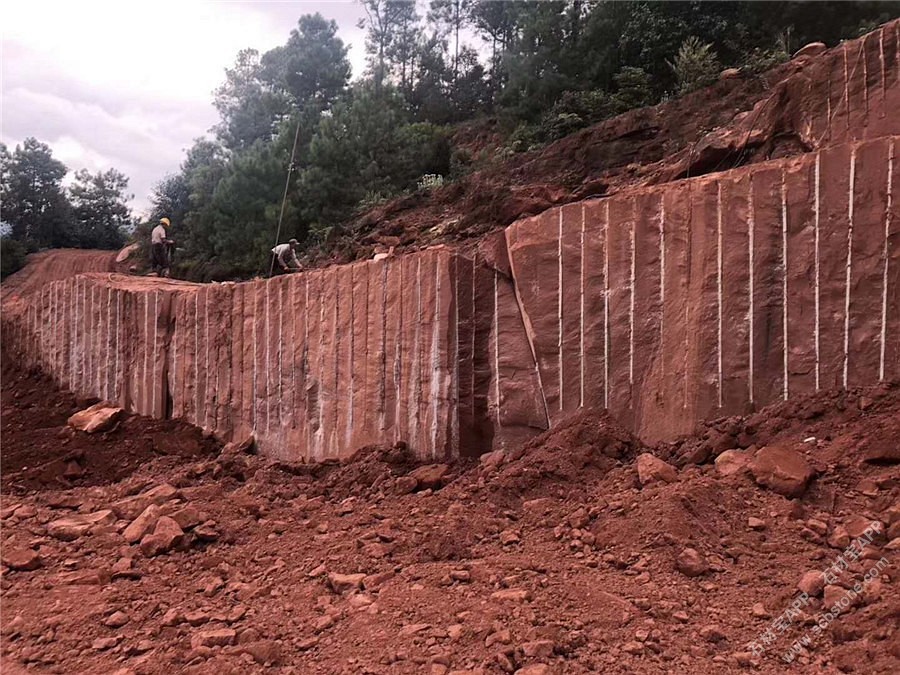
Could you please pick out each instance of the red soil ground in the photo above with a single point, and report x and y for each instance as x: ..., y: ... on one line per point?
x: 551, y: 558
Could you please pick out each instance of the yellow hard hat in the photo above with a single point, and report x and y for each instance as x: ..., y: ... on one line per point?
x: 165, y: 221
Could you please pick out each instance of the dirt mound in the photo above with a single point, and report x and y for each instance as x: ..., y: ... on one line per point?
x: 561, y: 462
x: 40, y: 451
x: 46, y: 266
x: 830, y: 419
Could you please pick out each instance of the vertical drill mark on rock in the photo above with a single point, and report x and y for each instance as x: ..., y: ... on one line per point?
x: 83, y: 329
x: 267, y: 341
x: 687, y: 300
x: 280, y: 355
x: 662, y: 272
x: 118, y: 321
x: 54, y: 354
x: 146, y: 343
x: 209, y: 395
x: 719, y: 291
x: 631, y: 285
x: 816, y: 268
x: 454, y: 385
x: 497, y: 354
x: 526, y: 324
x: 883, y: 74
x: 348, y: 432
x: 336, y: 400
x: 865, y: 81
x: 849, y: 265
x: 559, y: 305
x: 473, y: 332
x: 88, y: 336
x: 73, y: 317
x: 304, y: 363
x: 751, y: 227
x: 197, y: 392
x: 153, y: 391
x: 382, y: 355
x: 606, y: 304
x: 253, y: 357
x: 320, y: 372
x: 846, y: 87
x: 581, y: 317
x: 435, y: 359
x: 367, y: 319
x: 293, y: 353
x: 416, y: 379
x: 784, y: 284
x: 398, y: 366
x: 888, y: 215
x: 108, y: 347
x: 89, y: 321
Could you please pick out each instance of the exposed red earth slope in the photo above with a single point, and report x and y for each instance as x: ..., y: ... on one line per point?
x: 736, y: 122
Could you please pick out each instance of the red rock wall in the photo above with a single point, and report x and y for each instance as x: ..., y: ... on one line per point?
x: 720, y: 294
x: 666, y: 305
x: 849, y: 93
x: 314, y: 365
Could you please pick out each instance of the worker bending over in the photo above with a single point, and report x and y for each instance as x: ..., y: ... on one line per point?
x: 285, y: 257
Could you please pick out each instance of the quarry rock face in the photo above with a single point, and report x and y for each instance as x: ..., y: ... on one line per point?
x: 665, y: 304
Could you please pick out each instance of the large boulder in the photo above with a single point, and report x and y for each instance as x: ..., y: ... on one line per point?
x: 72, y: 527
x: 430, y: 476
x: 143, y: 524
x: 131, y: 507
x: 23, y: 560
x: 782, y: 470
x: 653, y: 470
x: 811, y: 49
x: 166, y: 536
x: 125, y: 253
x: 99, y: 417
x: 732, y: 462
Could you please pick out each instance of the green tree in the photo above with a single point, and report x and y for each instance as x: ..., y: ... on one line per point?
x: 248, y: 106
x: 450, y: 16
x: 390, y: 38
x: 366, y: 148
x: 496, y: 21
x: 312, y: 68
x: 34, y: 203
x: 12, y: 256
x: 102, y: 218
x: 532, y: 64
x: 695, y: 65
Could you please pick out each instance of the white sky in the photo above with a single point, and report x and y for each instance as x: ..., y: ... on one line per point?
x: 129, y: 85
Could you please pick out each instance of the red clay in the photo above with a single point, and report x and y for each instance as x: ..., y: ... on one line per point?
x: 552, y: 556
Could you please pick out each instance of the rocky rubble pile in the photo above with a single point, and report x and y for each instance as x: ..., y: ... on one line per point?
x: 583, y: 551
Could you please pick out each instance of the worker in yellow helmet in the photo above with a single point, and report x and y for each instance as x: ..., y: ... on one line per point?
x: 159, y: 247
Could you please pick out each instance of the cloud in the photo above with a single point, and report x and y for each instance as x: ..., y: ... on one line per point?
x: 129, y: 85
